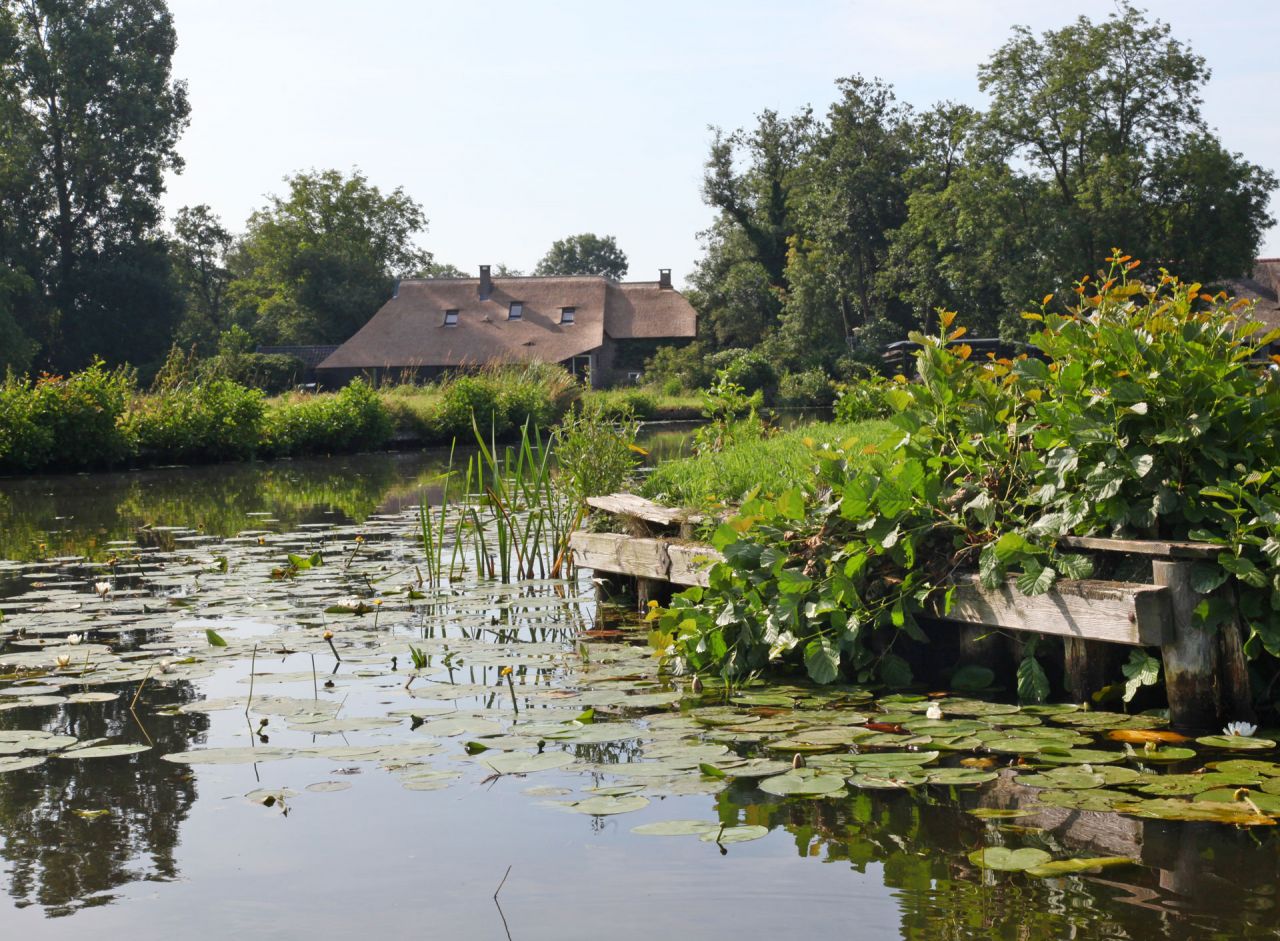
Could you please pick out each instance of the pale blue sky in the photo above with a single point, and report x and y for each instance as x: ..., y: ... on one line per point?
x: 517, y: 123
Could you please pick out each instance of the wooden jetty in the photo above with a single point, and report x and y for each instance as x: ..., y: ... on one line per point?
x: 1205, y: 674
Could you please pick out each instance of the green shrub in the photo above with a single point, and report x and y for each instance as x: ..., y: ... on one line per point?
x: 595, y: 452
x: 750, y: 369
x: 862, y: 398
x: 352, y: 419
x: 469, y: 398
x: 65, y: 423
x: 211, y: 420
x: 624, y: 404
x: 1155, y: 419
x: 807, y: 389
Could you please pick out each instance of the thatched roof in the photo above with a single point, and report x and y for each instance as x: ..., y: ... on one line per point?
x: 409, y: 330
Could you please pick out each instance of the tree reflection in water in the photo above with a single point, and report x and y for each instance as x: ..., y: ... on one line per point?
x: 65, y: 862
x: 922, y: 842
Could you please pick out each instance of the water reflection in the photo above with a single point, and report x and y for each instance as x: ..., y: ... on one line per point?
x: 62, y: 861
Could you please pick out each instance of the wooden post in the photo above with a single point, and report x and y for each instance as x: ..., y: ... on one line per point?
x: 1088, y: 666
x: 1188, y: 651
x: 1237, y: 692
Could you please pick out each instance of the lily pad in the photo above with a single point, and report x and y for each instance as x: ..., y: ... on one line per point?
x: 106, y: 751
x: 1236, y: 814
x: 608, y: 806
x: 740, y: 834
x: 525, y: 763
x: 228, y: 756
x: 1065, y: 867
x: 1003, y: 859
x: 802, y: 782
x: 960, y: 776
x: 1236, y: 742
x: 676, y: 828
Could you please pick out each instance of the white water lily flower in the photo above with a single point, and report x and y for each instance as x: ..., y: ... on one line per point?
x: 1244, y: 729
x: 164, y: 666
x: 933, y: 712
x: 74, y: 639
x: 102, y: 588
x: 64, y: 661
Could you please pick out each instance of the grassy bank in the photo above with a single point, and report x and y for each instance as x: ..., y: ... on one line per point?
x: 773, y: 463
x: 98, y: 418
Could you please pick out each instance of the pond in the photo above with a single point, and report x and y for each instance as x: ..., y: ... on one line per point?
x: 184, y: 753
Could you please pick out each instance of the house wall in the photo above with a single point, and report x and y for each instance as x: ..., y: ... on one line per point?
x: 620, y: 358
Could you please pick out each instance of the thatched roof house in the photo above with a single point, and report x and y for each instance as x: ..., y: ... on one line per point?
x: 591, y: 325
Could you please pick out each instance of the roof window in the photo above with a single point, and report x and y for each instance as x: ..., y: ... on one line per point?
x: 567, y: 314
x: 450, y: 318
x: 516, y: 310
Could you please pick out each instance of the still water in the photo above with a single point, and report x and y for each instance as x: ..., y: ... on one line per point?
x: 268, y: 789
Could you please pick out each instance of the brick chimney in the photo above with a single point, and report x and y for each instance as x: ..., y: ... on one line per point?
x: 664, y: 279
x: 486, y: 283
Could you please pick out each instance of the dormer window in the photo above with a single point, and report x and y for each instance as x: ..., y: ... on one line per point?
x: 516, y: 310
x: 450, y: 318
x: 567, y: 314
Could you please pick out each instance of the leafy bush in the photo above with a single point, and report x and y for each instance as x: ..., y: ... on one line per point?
x: 210, y: 420
x: 678, y: 369
x: 1155, y: 419
x: 354, y: 418
x: 595, y: 452
x: 623, y: 404
x: 863, y: 398
x: 469, y: 398
x: 810, y: 388
x: 750, y: 369
x: 68, y: 422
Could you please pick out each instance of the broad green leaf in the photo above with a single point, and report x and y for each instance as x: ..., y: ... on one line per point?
x: 215, y: 639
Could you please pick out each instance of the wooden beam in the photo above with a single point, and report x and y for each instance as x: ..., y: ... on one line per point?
x: 691, y: 563
x: 628, y: 504
x: 1119, y: 612
x: 1158, y: 548
x: 626, y: 555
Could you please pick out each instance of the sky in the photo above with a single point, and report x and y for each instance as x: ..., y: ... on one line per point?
x: 518, y: 123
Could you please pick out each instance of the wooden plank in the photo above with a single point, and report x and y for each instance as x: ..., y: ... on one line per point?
x: 691, y: 563
x: 1153, y: 547
x: 1119, y: 612
x: 628, y: 504
x: 627, y: 555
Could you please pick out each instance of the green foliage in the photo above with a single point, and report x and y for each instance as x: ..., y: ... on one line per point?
x: 675, y: 369
x: 618, y: 404
x: 771, y: 464
x: 315, y: 265
x: 352, y: 419
x: 731, y: 416
x: 210, y: 419
x: 808, y: 388
x: 70, y: 422
x: 1153, y: 420
x: 863, y: 398
x: 587, y: 253
x: 595, y: 450
x: 91, y: 119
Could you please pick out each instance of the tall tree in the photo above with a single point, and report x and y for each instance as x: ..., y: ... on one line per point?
x: 587, y: 253
x: 1106, y: 118
x: 199, y: 248
x: 749, y: 178
x: 315, y: 265
x: 101, y: 114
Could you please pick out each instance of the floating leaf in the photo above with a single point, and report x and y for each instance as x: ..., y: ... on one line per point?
x: 608, y: 806
x: 105, y: 751
x: 802, y: 782
x: 525, y: 763
x: 676, y: 828
x: 1003, y: 859
x: 1236, y: 742
x: 215, y: 639
x: 740, y: 834
x: 1065, y: 867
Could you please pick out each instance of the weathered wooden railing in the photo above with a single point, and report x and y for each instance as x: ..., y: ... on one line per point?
x: 1204, y: 671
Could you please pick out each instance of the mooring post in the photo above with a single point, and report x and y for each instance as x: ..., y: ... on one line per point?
x: 1188, y: 651
x: 1237, y: 691
x: 1088, y: 666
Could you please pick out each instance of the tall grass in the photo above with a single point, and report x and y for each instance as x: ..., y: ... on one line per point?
x: 509, y: 516
x: 773, y: 464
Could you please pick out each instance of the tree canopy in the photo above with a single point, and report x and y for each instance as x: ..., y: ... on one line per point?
x: 316, y: 264
x: 836, y: 234
x: 587, y: 253
x: 90, y: 121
